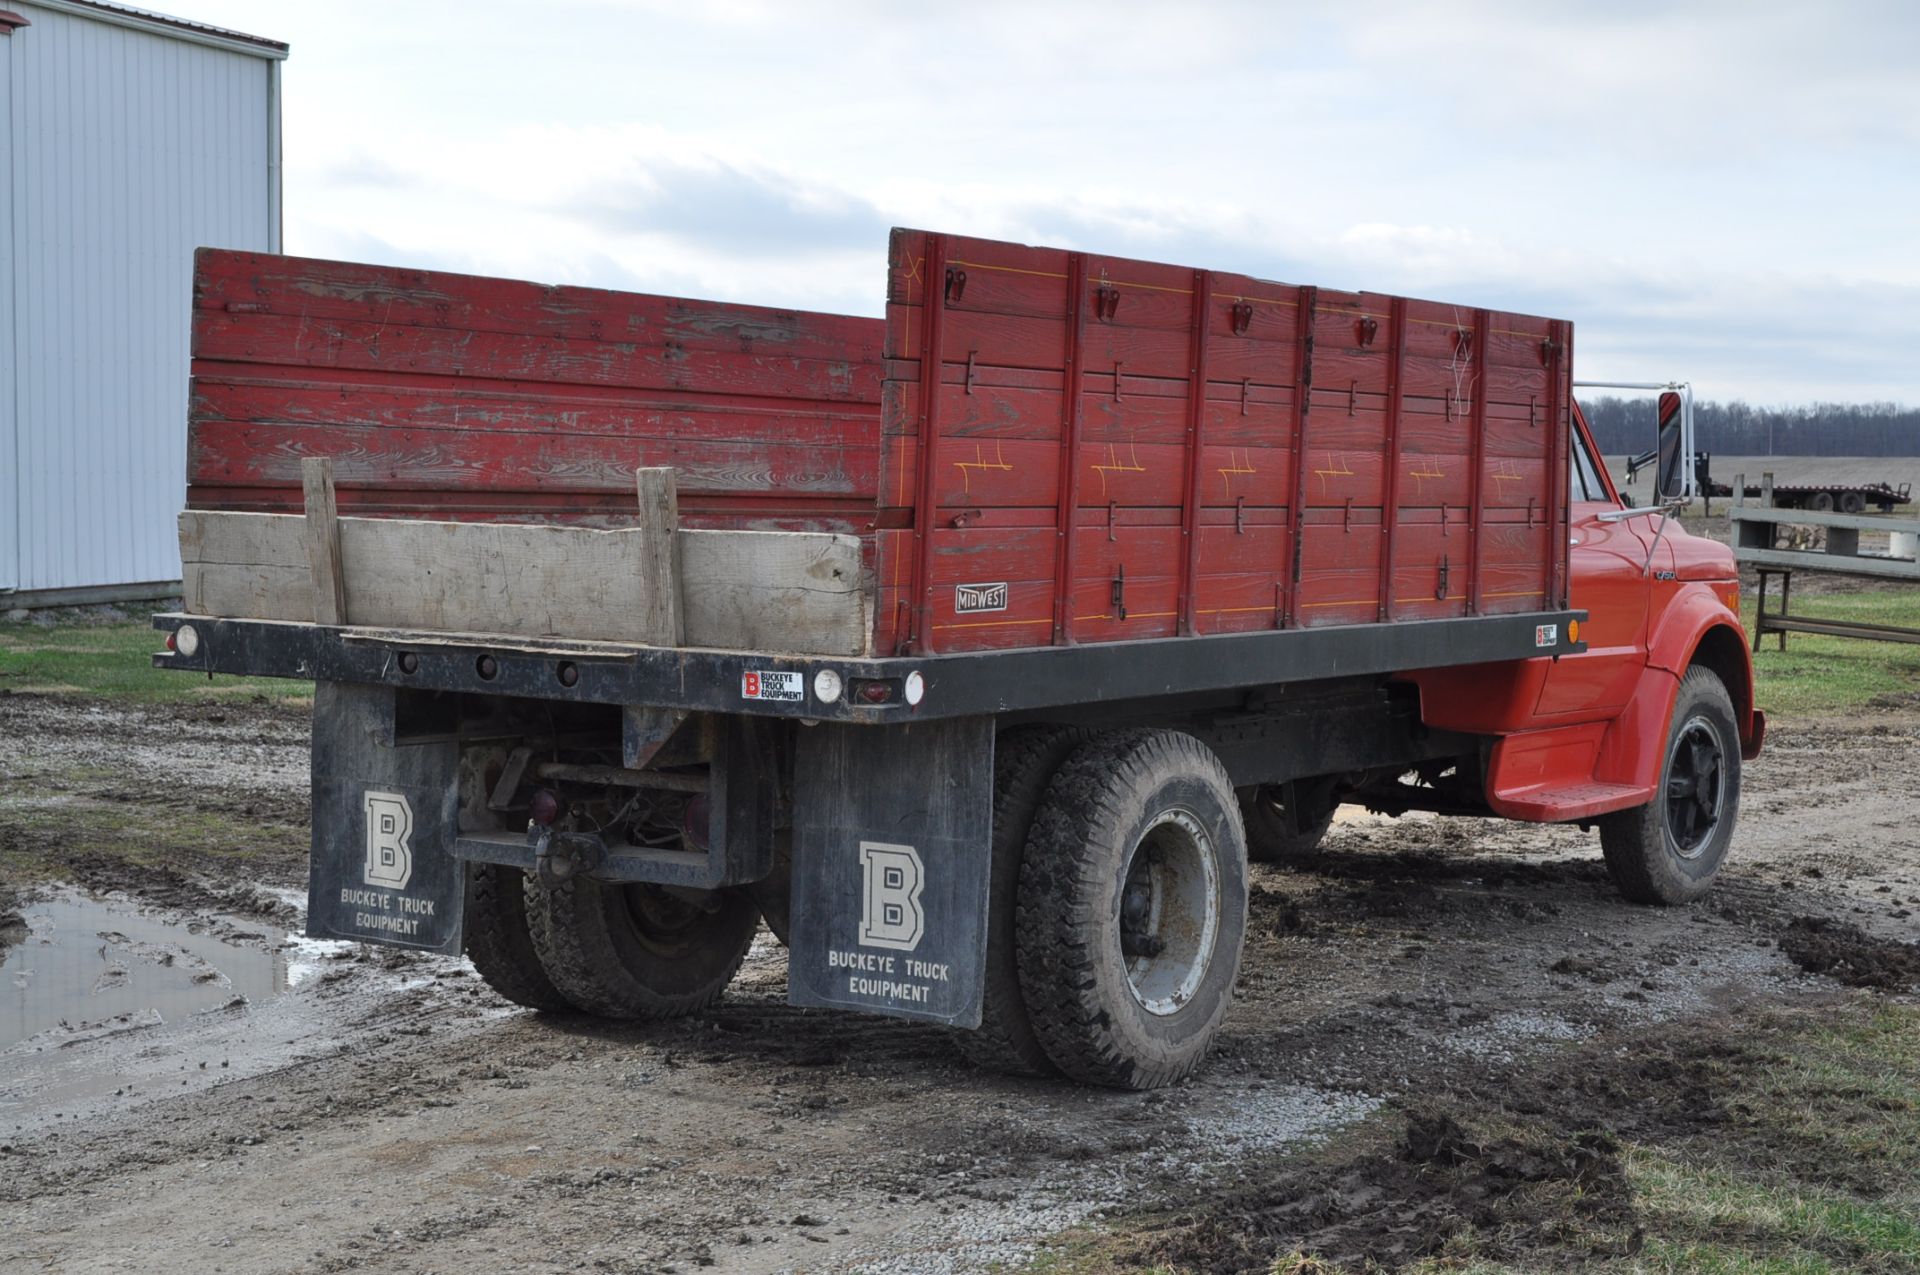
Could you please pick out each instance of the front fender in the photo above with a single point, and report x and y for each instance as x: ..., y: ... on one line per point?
x: 1698, y: 627
x: 1539, y: 774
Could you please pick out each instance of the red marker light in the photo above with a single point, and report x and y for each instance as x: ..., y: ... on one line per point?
x: 170, y: 643
x: 545, y: 808
x: 876, y: 692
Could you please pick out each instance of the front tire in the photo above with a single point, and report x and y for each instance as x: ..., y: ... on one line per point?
x: 1132, y: 909
x: 1672, y: 849
x: 638, y: 951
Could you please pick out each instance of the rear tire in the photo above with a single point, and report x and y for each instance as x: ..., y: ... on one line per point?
x: 1132, y: 910
x: 497, y: 942
x: 636, y: 951
x: 1278, y: 834
x: 1024, y: 761
x: 1853, y: 502
x: 1822, y: 501
x: 1672, y: 849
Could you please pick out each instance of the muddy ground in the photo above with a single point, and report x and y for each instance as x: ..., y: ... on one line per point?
x: 386, y: 1112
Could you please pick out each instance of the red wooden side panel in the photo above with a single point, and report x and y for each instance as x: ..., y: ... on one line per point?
x: 455, y: 396
x: 1046, y: 447
x: 1086, y: 448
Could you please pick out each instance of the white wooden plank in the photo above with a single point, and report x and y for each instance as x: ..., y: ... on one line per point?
x: 323, y: 541
x: 774, y: 591
x: 264, y: 539
x: 659, y: 582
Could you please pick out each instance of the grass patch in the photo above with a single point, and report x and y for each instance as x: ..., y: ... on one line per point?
x: 1818, y: 674
x: 86, y: 823
x: 1786, y: 1143
x: 112, y: 660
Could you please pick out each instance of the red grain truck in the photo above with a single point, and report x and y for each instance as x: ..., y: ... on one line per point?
x: 977, y: 650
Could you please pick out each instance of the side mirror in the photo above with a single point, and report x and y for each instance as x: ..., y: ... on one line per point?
x: 1670, y: 471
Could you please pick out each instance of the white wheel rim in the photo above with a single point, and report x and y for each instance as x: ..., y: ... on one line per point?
x: 1172, y: 884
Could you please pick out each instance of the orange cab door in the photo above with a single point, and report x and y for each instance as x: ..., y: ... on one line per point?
x: 1607, y: 569
x: 1609, y: 580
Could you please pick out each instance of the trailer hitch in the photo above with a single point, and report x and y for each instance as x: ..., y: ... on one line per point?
x: 559, y: 857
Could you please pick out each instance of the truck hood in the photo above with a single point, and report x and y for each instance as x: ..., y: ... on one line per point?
x: 1700, y: 558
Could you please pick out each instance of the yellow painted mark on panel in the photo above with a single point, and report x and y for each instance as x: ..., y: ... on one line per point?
x: 979, y: 461
x: 1113, y: 465
x: 1239, y: 465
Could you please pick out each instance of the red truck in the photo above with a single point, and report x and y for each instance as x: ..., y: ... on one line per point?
x: 977, y: 650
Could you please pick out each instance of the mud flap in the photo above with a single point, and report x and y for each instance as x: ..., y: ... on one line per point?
x: 384, y: 821
x: 893, y: 829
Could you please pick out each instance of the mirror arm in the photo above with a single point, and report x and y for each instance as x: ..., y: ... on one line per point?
x: 1655, y: 546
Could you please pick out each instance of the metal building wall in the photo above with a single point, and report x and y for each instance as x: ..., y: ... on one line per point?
x: 129, y: 148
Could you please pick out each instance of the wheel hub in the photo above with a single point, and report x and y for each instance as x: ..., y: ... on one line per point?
x: 1696, y: 786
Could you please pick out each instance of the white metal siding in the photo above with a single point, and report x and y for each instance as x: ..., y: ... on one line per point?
x: 9, y: 451
x: 130, y: 149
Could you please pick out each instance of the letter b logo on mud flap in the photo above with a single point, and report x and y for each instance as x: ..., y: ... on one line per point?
x: 890, y: 912
x: 389, y: 848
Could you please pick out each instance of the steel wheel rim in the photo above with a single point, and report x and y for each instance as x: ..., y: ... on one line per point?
x: 663, y: 924
x: 1170, y: 912
x: 1696, y: 786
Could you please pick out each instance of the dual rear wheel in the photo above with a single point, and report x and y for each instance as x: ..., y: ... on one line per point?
x: 1119, y: 903
x: 620, y: 951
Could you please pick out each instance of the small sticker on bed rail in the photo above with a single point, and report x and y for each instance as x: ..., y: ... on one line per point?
x: 766, y: 684
x: 1546, y: 635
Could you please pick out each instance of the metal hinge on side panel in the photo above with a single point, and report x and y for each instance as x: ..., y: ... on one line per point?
x: 1106, y: 302
x: 1241, y: 317
x: 956, y: 284
x: 1440, y: 590
x: 1120, y: 593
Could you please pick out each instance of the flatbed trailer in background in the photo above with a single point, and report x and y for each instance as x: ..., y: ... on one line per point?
x: 977, y: 650
x: 1843, y: 497
x: 1846, y: 498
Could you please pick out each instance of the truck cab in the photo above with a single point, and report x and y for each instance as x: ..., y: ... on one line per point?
x: 1641, y: 733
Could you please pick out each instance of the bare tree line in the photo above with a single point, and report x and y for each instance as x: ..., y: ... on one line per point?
x: 1625, y: 425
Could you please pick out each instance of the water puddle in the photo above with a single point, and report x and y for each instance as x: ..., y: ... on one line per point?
x: 88, y: 969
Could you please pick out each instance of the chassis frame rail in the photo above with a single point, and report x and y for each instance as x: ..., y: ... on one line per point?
x: 962, y: 685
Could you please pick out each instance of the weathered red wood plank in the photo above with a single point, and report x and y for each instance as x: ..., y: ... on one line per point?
x: 246, y: 283
x: 230, y: 454
x: 447, y: 406
x: 361, y: 347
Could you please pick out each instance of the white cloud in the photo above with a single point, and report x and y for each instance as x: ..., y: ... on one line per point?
x: 1724, y: 190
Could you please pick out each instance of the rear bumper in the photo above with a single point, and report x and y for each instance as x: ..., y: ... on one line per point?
x: 973, y: 684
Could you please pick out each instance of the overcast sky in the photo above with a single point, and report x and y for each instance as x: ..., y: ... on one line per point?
x: 1727, y: 193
